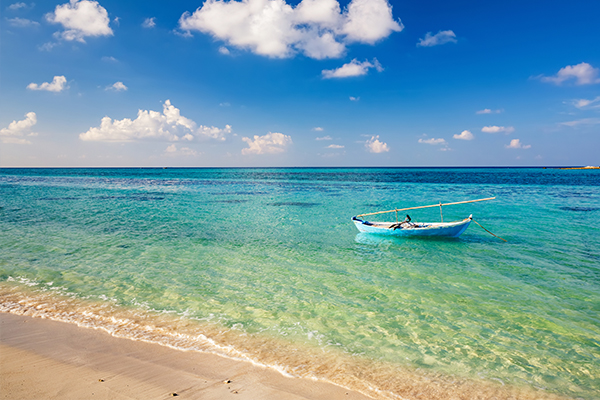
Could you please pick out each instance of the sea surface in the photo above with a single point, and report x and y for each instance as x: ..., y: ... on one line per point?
x: 265, y: 265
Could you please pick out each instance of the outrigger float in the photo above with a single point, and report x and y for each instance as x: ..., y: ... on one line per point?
x: 410, y: 228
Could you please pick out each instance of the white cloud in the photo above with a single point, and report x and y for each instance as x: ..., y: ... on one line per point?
x: 373, y: 145
x: 497, y: 129
x: 58, y: 84
x: 110, y: 59
x: 47, y: 46
x: 442, y: 37
x: 149, y: 23
x: 173, y: 151
x: 324, y: 138
x: 583, y: 74
x: 81, y: 18
x: 488, y: 111
x: 335, y: 146
x: 17, y: 6
x: 213, y: 132
x: 516, y: 144
x: 353, y: 68
x: 22, y: 22
x: 273, y: 28
x: 352, y: 98
x: 433, y: 141
x: 367, y: 21
x: 169, y: 125
x: 579, y: 122
x: 224, y: 50
x: 317, y: 129
x: 464, y: 135
x: 17, y: 129
x: 585, y: 104
x: 271, y: 143
x: 117, y: 87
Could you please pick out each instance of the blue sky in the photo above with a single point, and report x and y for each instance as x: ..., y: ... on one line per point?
x: 311, y: 83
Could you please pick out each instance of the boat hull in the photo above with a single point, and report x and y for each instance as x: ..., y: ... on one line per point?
x: 439, y: 229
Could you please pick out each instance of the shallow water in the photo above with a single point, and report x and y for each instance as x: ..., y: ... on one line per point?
x: 265, y: 265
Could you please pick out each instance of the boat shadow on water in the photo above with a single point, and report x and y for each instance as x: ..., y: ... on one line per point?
x: 368, y: 239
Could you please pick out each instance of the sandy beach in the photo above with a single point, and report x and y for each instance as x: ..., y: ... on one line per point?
x: 46, y: 359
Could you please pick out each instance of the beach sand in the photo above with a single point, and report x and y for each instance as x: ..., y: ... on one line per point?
x: 45, y: 359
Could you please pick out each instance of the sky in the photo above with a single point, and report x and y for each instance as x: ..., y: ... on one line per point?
x: 281, y: 83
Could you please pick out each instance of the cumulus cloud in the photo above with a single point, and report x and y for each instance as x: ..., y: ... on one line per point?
x: 324, y: 138
x: 464, y: 135
x: 516, y: 144
x: 169, y: 125
x: 497, y: 129
x: 173, y: 151
x: 17, y: 129
x: 442, y: 37
x: 373, y: 145
x: 317, y: 129
x: 433, y: 141
x: 488, y: 111
x: 352, y: 98
x: 271, y: 143
x: 583, y: 74
x: 353, y: 68
x: 224, y: 50
x: 58, y: 84
x: 335, y: 146
x: 317, y: 28
x: 22, y: 22
x: 149, y: 23
x: 117, y: 87
x: 81, y: 18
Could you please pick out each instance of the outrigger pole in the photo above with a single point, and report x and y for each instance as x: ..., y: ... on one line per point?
x: 433, y: 205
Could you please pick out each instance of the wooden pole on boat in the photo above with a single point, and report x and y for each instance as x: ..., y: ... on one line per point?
x: 433, y: 205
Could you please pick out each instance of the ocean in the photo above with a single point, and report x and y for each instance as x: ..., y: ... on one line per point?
x: 265, y: 265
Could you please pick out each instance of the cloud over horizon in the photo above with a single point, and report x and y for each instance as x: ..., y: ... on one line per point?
x: 271, y: 143
x: 516, y: 144
x: 169, y: 125
x: 17, y: 129
x: 374, y: 145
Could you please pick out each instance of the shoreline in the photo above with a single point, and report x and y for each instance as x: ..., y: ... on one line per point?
x: 42, y: 358
x: 87, y: 342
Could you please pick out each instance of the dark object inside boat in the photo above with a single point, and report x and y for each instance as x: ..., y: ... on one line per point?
x: 404, y: 224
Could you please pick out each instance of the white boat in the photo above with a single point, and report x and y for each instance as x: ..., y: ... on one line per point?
x: 410, y: 228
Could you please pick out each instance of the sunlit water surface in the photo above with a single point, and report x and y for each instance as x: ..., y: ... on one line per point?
x: 265, y: 265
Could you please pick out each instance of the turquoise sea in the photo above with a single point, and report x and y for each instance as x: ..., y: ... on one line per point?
x: 265, y: 265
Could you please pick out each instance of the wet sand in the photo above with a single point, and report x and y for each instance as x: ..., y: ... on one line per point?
x: 41, y: 358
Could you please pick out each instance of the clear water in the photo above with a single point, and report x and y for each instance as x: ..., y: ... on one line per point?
x: 265, y: 265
